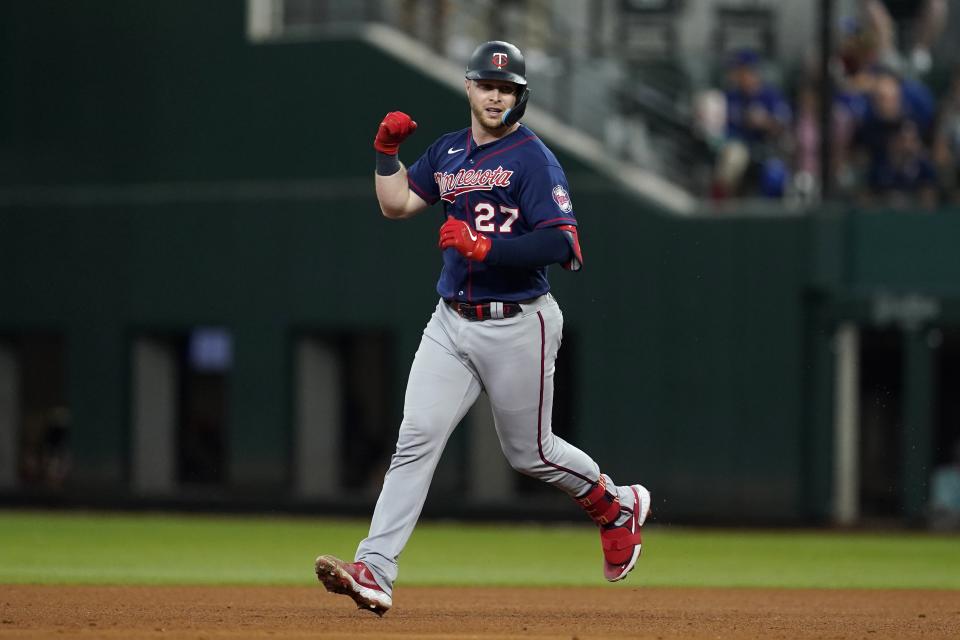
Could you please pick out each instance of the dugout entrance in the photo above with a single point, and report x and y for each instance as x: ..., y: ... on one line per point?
x: 895, y: 416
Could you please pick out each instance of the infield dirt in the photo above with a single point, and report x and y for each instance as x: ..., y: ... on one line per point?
x: 420, y: 612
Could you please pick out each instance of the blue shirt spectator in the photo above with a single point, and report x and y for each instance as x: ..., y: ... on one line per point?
x: 750, y: 160
x: 909, y: 176
x: 884, y: 115
x: 757, y: 112
x: 904, y: 176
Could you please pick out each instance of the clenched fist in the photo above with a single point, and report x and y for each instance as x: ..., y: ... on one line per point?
x: 394, y: 129
x: 471, y: 244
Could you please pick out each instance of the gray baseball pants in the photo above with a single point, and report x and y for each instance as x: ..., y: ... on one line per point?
x: 512, y: 359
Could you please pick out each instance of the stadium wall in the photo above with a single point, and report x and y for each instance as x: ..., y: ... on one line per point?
x: 159, y: 172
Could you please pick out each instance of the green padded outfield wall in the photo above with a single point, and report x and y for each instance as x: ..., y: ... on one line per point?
x: 689, y: 334
x: 691, y: 366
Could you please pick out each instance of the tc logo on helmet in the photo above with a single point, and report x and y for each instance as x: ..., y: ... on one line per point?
x: 500, y: 60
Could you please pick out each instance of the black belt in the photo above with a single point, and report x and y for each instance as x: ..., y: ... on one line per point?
x: 486, y: 310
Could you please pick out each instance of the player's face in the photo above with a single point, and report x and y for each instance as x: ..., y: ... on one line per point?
x: 489, y: 99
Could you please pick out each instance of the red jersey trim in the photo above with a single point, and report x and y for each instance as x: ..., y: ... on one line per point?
x: 554, y: 221
x: 504, y: 150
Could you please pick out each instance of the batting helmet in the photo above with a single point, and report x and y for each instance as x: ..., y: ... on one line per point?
x: 498, y: 60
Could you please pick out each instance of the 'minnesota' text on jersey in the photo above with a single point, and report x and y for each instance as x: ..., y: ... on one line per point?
x: 505, y: 189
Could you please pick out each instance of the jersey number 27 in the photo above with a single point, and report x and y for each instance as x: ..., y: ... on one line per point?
x: 485, y: 212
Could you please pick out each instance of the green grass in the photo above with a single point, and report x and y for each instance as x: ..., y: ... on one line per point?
x: 83, y: 548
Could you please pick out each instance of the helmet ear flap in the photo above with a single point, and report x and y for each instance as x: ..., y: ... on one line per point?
x: 512, y: 116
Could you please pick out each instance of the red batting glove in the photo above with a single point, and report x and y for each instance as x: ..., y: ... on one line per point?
x: 394, y: 129
x: 471, y: 244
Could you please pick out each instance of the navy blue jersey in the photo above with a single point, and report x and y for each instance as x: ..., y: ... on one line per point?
x: 504, y: 188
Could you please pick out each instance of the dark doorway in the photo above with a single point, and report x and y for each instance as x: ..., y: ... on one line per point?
x: 881, y: 424
x: 206, y: 357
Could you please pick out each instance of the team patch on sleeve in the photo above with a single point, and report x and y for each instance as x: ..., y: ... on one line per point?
x: 562, y: 198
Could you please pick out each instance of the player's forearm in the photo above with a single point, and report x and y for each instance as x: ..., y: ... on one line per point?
x: 393, y: 191
x: 537, y: 249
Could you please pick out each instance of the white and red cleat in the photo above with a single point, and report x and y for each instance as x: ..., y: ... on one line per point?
x: 355, y: 580
x: 622, y: 544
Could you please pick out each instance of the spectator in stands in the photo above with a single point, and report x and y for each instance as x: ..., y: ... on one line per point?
x: 881, y: 117
x: 865, y: 40
x: 750, y: 162
x: 881, y: 131
x: 921, y: 23
x: 871, y: 36
x: 946, y: 142
x: 866, y: 54
x: 904, y: 176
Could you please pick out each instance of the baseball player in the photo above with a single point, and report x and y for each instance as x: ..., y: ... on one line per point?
x: 507, y: 216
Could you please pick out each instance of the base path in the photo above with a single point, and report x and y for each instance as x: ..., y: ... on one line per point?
x: 420, y: 612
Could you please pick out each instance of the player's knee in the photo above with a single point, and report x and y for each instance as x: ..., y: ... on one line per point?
x: 532, y: 468
x: 525, y: 461
x: 419, y: 430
